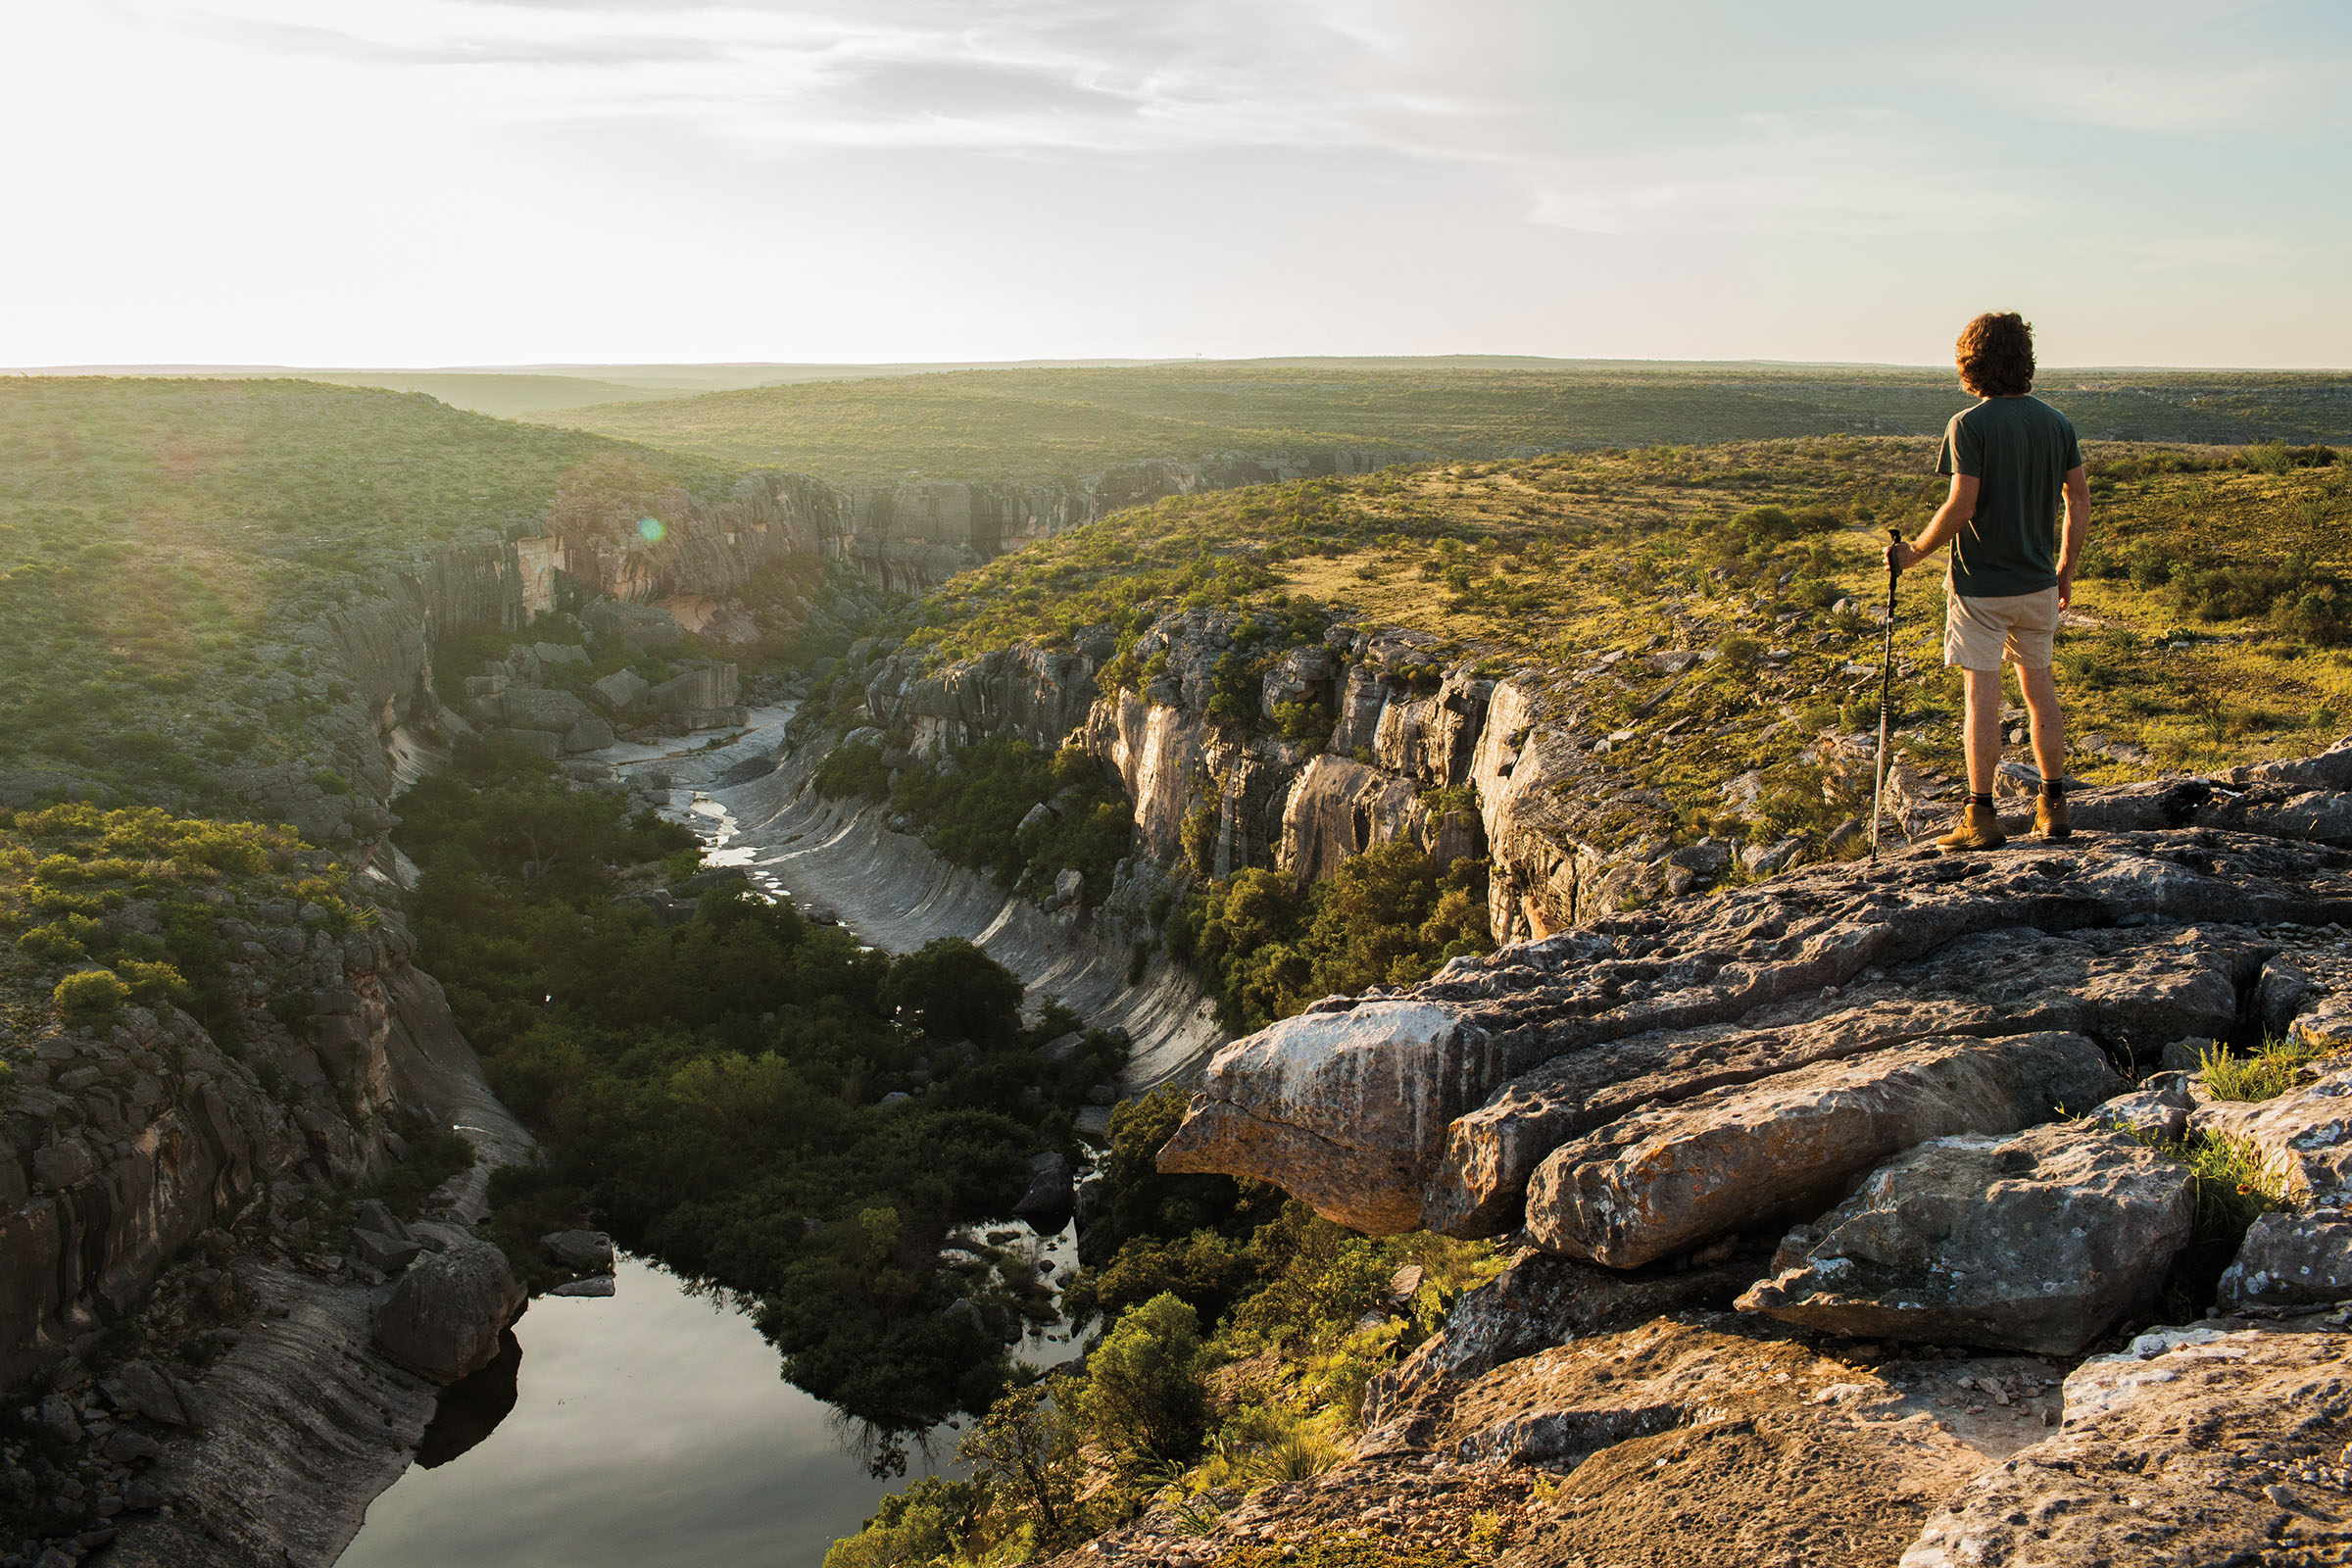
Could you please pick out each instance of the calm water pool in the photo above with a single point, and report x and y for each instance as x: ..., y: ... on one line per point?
x: 649, y: 1427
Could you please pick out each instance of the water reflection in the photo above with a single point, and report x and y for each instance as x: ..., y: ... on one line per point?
x: 653, y: 1426
x: 471, y: 1407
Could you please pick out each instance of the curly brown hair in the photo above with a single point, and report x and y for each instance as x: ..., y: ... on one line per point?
x: 1995, y: 353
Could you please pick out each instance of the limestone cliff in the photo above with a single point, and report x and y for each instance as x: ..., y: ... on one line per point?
x: 1463, y: 763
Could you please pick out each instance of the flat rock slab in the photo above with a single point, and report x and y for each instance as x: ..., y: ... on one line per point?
x: 1539, y: 1301
x: 1665, y: 1181
x: 2038, y: 1242
x: 1480, y: 1184
x: 2194, y: 1448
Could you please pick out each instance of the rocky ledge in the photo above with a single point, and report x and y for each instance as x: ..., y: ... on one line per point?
x: 1822, y: 1187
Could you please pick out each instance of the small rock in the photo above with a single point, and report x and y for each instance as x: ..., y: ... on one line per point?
x: 57, y: 1419
x: 385, y: 1253
x: 2290, y: 1261
x: 596, y: 1284
x: 588, y: 1251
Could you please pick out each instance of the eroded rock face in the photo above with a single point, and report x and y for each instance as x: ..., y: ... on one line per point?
x: 2260, y: 1483
x: 443, y: 1319
x: 1663, y: 1180
x: 1339, y: 1107
x: 2040, y: 1241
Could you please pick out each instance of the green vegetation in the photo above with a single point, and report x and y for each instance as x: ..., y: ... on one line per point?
x: 978, y: 812
x: 2274, y: 1068
x: 1068, y: 421
x: 151, y: 529
x: 1267, y: 946
x: 749, y: 1097
x: 1747, y: 550
x: 1236, y: 1354
x: 102, y: 909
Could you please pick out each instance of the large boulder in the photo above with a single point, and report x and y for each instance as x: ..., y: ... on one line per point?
x: 443, y: 1319
x: 2194, y: 1447
x: 1342, y: 1111
x: 2038, y: 1242
x: 1666, y: 1180
x: 621, y: 691
x: 541, y: 708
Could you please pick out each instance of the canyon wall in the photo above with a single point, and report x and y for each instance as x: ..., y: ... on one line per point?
x: 118, y: 1150
x: 1462, y: 762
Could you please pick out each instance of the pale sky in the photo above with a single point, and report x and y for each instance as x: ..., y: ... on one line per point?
x: 420, y: 183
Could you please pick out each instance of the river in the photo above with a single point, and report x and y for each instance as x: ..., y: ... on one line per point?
x: 653, y: 1426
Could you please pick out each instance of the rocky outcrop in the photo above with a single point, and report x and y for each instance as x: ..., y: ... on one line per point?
x: 1666, y: 1180
x: 1918, y: 1062
x: 117, y: 1150
x: 2179, y: 909
x: 2041, y: 1242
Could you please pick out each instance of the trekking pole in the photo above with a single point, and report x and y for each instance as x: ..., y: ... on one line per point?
x: 1878, y: 795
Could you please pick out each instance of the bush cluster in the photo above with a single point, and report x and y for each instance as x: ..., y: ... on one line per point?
x: 1268, y: 947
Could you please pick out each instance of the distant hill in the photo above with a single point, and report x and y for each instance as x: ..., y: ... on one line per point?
x: 152, y: 529
x: 989, y: 423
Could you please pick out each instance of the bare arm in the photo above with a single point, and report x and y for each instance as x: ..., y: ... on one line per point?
x: 1950, y: 517
x: 2078, y: 529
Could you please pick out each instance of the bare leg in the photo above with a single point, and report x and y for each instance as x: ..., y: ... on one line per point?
x: 2049, y: 723
x: 1981, y: 734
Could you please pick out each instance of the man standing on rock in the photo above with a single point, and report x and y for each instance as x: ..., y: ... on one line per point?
x: 2010, y: 458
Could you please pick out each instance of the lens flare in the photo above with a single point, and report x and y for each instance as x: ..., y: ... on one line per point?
x: 650, y: 529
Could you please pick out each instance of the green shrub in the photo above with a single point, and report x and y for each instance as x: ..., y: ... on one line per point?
x: 2270, y: 1071
x: 150, y: 983
x: 926, y: 1523
x: 91, y: 995
x: 330, y: 781
x: 853, y: 769
x: 1386, y: 918
x: 1145, y: 1396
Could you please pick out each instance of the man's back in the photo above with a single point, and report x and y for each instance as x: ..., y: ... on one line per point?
x: 2019, y: 449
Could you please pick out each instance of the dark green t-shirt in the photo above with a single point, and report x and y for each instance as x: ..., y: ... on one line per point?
x: 2019, y: 451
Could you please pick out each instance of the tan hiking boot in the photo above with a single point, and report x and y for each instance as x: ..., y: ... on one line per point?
x: 2050, y: 817
x: 1978, y: 829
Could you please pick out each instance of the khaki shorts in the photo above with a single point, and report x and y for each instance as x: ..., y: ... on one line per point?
x: 1978, y: 633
